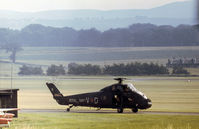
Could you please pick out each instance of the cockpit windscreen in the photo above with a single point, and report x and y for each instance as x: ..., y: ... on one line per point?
x: 131, y: 87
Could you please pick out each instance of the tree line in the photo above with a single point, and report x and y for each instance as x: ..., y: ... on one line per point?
x: 130, y: 69
x: 134, y: 35
x: 53, y: 70
x: 28, y: 70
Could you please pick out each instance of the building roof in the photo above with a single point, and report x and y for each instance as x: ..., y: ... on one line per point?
x: 7, y: 91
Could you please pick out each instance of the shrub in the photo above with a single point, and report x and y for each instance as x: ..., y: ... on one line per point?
x: 55, y: 70
x: 179, y: 70
x: 28, y: 70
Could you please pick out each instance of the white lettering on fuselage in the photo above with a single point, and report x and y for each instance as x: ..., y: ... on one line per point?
x: 87, y: 99
x: 77, y: 100
x: 82, y: 100
x: 96, y: 100
x: 73, y: 100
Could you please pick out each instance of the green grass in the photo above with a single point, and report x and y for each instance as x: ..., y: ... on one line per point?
x: 103, y: 121
x: 175, y: 94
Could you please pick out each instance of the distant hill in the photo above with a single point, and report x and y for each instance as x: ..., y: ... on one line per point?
x: 170, y: 14
x: 134, y: 35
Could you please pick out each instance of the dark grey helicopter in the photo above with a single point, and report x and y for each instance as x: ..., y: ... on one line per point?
x: 117, y: 96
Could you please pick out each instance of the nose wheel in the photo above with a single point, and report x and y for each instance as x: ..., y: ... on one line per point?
x: 135, y: 110
x: 120, y: 110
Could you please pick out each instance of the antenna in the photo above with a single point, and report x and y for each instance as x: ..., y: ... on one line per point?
x: 11, y: 72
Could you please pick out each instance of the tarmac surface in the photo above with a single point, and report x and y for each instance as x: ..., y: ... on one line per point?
x: 103, y: 111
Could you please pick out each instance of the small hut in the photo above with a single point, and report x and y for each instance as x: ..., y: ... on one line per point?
x: 8, y: 99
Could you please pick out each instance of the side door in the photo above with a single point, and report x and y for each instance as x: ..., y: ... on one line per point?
x: 117, y: 95
x: 106, y: 99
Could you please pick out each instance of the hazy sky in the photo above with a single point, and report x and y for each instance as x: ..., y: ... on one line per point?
x: 38, y: 5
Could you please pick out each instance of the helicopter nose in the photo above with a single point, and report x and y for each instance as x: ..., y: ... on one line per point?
x: 149, y: 103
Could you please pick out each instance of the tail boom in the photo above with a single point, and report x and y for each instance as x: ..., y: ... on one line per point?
x: 57, y: 95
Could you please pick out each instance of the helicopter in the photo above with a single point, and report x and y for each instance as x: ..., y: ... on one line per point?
x: 116, y: 96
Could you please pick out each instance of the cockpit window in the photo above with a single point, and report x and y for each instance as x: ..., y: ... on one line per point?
x: 117, y: 88
x: 125, y: 87
x: 131, y: 87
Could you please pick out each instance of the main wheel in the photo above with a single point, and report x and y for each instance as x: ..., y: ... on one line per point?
x: 135, y: 110
x: 120, y: 110
x: 68, y: 109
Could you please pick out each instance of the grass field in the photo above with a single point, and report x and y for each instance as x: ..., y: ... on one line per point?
x: 173, y: 94
x: 103, y: 121
x: 45, y: 56
x: 167, y: 93
x: 98, y: 54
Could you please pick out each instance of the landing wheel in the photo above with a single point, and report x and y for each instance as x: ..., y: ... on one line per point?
x: 135, y: 110
x: 68, y: 109
x: 120, y: 110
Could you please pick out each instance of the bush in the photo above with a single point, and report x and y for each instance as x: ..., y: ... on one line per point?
x: 135, y: 69
x: 28, y: 70
x: 118, y: 69
x: 54, y: 70
x: 86, y: 69
x: 179, y: 70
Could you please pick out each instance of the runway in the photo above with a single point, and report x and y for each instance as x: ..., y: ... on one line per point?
x: 103, y: 111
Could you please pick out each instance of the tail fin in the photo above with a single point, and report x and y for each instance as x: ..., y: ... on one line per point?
x: 53, y: 89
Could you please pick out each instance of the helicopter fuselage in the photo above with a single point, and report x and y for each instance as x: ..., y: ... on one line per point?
x: 117, y: 96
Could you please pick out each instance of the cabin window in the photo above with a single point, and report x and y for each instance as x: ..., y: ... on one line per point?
x: 120, y: 88
x: 104, y: 97
x: 126, y: 89
x: 113, y: 88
